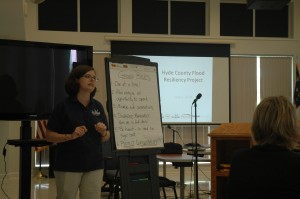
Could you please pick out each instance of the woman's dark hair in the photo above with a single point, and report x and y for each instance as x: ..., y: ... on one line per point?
x: 72, y: 84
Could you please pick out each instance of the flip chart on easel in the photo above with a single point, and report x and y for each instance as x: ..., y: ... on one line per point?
x: 133, y: 98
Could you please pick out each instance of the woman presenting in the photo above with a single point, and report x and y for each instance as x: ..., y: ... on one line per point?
x: 79, y: 126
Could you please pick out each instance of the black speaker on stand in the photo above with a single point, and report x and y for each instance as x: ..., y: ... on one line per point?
x: 267, y: 4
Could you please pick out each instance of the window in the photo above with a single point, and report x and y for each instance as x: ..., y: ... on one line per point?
x: 235, y: 20
x: 187, y: 18
x: 58, y: 15
x: 99, y: 16
x: 271, y: 23
x: 150, y: 17
x: 238, y: 20
x: 168, y: 17
x: 95, y: 16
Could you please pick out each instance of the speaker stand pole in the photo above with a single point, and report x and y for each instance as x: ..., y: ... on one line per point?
x: 40, y: 174
x: 173, y: 135
x: 25, y: 162
x: 196, y: 153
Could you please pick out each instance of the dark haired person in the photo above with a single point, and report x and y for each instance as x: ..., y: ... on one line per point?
x: 270, y: 169
x: 79, y: 126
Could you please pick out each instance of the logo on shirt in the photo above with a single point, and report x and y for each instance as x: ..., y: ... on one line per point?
x: 95, y: 112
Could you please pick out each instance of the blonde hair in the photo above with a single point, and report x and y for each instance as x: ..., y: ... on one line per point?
x: 275, y: 122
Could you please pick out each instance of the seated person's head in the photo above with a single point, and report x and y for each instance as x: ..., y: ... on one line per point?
x: 275, y: 123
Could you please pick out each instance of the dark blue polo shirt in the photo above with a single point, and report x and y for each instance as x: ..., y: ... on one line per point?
x: 84, y: 153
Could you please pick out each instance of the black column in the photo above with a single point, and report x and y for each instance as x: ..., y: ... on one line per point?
x: 25, y: 162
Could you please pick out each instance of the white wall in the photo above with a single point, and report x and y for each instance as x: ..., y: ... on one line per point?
x: 12, y: 20
x: 18, y: 20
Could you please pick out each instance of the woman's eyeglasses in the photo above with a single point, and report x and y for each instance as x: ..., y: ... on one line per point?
x: 90, y: 77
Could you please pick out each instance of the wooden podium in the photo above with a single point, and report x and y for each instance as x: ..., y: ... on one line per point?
x: 225, y: 140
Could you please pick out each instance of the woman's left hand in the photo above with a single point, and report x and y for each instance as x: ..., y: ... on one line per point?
x: 101, y: 128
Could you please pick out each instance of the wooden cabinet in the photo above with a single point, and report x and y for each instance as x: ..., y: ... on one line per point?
x: 225, y: 140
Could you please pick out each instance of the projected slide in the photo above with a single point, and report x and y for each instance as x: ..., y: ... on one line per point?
x: 186, y: 70
x: 180, y: 80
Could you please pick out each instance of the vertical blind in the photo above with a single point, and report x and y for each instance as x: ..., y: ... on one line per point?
x: 276, y: 76
x: 243, y: 88
x: 275, y: 79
